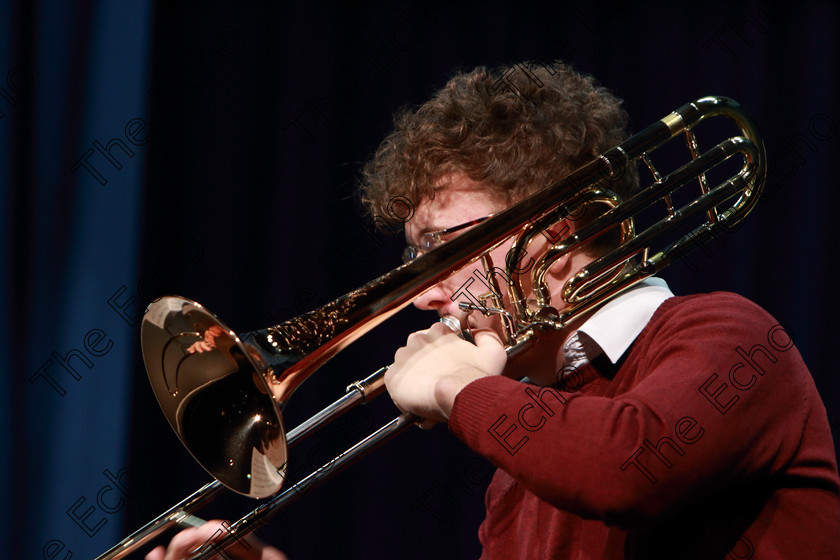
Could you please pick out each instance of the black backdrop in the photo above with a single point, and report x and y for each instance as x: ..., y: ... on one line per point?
x: 259, y: 117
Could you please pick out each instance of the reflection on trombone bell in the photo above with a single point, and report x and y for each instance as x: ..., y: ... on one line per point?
x: 208, y: 342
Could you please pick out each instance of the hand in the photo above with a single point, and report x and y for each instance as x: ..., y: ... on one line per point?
x: 435, y: 364
x: 190, y: 539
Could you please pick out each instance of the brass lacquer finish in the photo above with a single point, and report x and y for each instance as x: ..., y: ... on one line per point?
x: 223, y: 394
x: 637, y: 255
x: 295, y: 348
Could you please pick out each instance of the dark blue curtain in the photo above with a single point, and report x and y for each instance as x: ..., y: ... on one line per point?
x: 211, y: 149
x: 74, y: 80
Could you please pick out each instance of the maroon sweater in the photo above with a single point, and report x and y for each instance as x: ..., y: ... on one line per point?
x: 709, y: 441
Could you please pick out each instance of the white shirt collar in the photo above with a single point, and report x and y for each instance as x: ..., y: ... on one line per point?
x: 616, y: 325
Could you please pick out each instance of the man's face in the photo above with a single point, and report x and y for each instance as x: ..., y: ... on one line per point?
x: 459, y: 200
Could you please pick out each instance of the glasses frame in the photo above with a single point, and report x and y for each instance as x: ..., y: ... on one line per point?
x: 433, y: 239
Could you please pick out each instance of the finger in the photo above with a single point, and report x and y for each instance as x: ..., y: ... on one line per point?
x: 427, y: 423
x: 401, y: 409
x: 421, y: 334
x: 491, y: 350
x: 486, y: 338
x: 195, y: 537
x: 262, y: 551
x: 271, y: 553
x: 180, y: 544
x: 156, y: 554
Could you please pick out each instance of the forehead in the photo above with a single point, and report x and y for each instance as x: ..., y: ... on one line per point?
x: 457, y: 199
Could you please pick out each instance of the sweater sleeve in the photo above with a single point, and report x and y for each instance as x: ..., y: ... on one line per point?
x: 713, y: 393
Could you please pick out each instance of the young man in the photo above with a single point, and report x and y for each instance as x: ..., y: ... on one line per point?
x: 655, y: 427
x: 660, y: 427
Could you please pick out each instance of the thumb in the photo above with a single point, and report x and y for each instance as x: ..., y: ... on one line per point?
x: 486, y: 338
x: 491, y: 350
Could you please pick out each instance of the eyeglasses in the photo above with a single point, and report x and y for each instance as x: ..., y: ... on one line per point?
x: 433, y: 239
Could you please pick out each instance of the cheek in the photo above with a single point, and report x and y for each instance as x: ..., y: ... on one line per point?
x: 520, y: 273
x: 465, y: 280
x: 468, y: 283
x: 464, y: 286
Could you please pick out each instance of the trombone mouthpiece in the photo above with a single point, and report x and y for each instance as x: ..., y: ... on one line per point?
x: 455, y: 325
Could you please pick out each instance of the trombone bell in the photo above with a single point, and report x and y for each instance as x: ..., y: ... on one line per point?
x: 210, y: 386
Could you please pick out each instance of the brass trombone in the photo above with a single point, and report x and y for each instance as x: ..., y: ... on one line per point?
x: 223, y: 394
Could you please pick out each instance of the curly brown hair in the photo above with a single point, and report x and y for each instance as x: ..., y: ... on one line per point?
x: 515, y: 129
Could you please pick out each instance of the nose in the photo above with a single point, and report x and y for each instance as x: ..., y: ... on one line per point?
x: 437, y: 298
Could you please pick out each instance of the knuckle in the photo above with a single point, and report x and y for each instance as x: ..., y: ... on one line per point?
x: 182, y: 539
